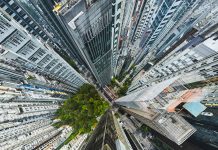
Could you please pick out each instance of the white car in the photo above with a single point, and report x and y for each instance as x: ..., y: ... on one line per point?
x: 207, y: 113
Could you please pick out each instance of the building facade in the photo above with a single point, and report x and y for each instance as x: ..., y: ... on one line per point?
x: 22, y: 123
x: 156, y: 106
x: 21, y: 48
x: 37, y: 19
x: 95, y: 28
x: 185, y: 59
x: 169, y: 25
x: 125, y: 35
x: 27, y: 111
x: 107, y: 135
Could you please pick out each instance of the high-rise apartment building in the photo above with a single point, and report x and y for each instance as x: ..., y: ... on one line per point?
x: 19, y: 47
x: 125, y: 35
x: 172, y: 126
x: 15, y: 76
x: 168, y: 48
x: 27, y: 107
x: 154, y: 15
x: 39, y: 22
x: 10, y: 73
x: 94, y: 27
x: 172, y: 24
x: 108, y: 135
x: 16, y: 9
x: 156, y: 105
x: 187, y: 58
x: 34, y: 78
x: 23, y: 123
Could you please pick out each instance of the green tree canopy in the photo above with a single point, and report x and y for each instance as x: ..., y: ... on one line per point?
x: 122, y: 90
x: 81, y: 110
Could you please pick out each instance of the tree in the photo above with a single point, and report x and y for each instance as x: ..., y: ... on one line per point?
x: 122, y: 91
x: 113, y: 82
x: 81, y: 110
x: 31, y: 77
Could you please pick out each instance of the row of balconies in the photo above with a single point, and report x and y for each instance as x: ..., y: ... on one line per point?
x: 22, y: 129
x: 22, y: 140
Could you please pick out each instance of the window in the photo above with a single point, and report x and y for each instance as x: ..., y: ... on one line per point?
x: 4, y: 25
x: 215, y: 58
x: 113, y: 10
x: 169, y: 2
x: 118, y: 16
x: 28, y: 29
x: 61, y: 71
x: 2, y: 4
x: 166, y: 18
x: 194, y: 67
x: 164, y: 9
x: 56, y: 67
x: 10, y: 13
x: 15, y: 40
x: 119, y: 6
x: 16, y: 18
x: 173, y: 7
x: 37, y: 55
x: 214, y: 66
x: 169, y: 13
x: 27, y: 49
x: 23, y: 24
x: 51, y: 64
x: 45, y: 60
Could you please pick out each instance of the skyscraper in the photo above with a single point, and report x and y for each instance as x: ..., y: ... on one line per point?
x: 185, y: 59
x: 31, y: 131
x: 125, y: 35
x: 160, y: 54
x: 34, y: 78
x: 155, y: 106
x: 170, y: 28
x: 28, y: 103
x: 94, y: 28
x: 107, y: 135
x: 94, y: 32
x: 39, y: 22
x: 21, y: 48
